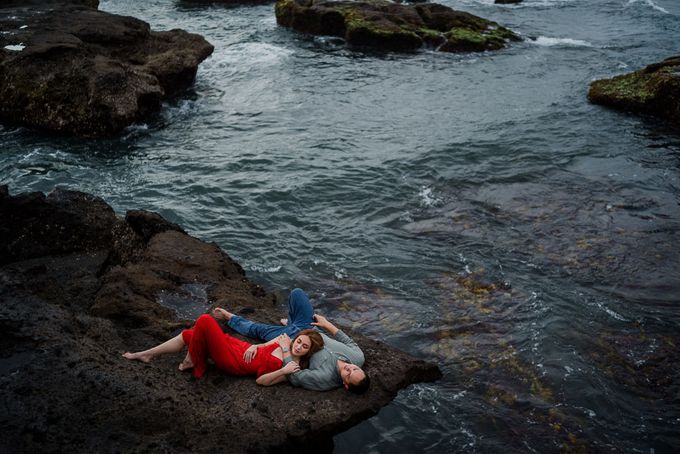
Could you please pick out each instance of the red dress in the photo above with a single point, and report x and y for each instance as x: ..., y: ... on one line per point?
x: 207, y: 340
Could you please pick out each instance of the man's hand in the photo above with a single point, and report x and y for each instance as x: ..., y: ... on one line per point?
x: 250, y: 354
x: 284, y: 341
x: 322, y: 322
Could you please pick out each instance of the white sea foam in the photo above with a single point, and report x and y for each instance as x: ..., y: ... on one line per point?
x: 649, y: 3
x: 427, y: 197
x: 566, y: 42
x: 15, y: 47
x: 257, y: 54
x: 23, y: 26
x: 611, y: 313
x: 261, y: 268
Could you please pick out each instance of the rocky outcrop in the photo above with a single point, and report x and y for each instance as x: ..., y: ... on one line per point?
x: 654, y: 90
x: 79, y: 286
x: 386, y: 25
x: 72, y: 69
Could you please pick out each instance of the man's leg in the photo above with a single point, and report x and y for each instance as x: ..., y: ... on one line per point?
x: 300, y: 311
x: 257, y: 330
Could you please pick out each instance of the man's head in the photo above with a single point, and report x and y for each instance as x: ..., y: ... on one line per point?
x: 354, y: 379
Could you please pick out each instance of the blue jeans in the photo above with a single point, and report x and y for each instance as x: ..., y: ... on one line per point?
x: 300, y: 315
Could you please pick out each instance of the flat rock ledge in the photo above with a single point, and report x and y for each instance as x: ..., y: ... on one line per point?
x: 383, y: 24
x: 654, y: 90
x: 69, y: 68
x: 79, y: 286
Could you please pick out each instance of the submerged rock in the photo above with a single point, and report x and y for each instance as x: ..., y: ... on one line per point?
x: 654, y: 90
x: 79, y: 286
x: 73, y: 69
x: 387, y: 25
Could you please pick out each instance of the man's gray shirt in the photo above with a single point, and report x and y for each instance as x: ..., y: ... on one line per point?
x: 322, y: 373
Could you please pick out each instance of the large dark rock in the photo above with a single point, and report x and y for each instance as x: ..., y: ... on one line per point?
x: 654, y: 90
x: 73, y: 69
x: 78, y: 287
x: 387, y: 25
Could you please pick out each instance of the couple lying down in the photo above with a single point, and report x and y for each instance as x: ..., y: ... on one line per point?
x: 311, y: 360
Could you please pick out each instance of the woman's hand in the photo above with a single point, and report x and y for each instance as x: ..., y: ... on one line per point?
x: 250, y: 354
x: 283, y: 341
x: 290, y: 368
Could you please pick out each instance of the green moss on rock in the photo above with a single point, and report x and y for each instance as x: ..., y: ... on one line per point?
x: 629, y: 88
x: 465, y: 39
x: 387, y: 25
x: 653, y: 90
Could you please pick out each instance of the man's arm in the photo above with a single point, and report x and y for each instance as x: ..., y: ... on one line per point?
x: 354, y: 353
x: 312, y: 379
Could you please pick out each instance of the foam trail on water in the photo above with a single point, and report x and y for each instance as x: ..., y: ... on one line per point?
x: 649, y: 3
x: 548, y: 42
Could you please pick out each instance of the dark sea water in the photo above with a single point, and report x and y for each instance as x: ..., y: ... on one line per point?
x: 475, y: 210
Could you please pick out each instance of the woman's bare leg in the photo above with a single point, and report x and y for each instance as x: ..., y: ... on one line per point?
x: 174, y: 345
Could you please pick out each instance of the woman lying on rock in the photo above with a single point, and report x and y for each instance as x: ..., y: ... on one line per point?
x: 234, y: 356
x: 337, y: 364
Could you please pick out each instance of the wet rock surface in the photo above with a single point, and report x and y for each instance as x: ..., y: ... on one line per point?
x: 654, y: 90
x: 79, y: 287
x: 386, y: 25
x: 69, y: 68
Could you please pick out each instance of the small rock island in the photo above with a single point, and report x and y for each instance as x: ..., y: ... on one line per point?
x: 386, y: 25
x: 69, y: 68
x: 654, y: 90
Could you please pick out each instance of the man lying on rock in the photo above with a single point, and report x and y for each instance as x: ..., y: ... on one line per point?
x: 235, y: 357
x: 315, y: 360
x: 337, y: 364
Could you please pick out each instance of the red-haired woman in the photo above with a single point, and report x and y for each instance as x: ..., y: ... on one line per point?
x: 234, y: 356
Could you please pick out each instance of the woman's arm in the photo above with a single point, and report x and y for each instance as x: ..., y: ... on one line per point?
x: 271, y: 378
x: 277, y: 376
x: 283, y: 340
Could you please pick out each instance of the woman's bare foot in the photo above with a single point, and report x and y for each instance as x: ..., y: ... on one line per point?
x: 187, y: 363
x: 284, y: 321
x: 221, y: 314
x: 139, y: 356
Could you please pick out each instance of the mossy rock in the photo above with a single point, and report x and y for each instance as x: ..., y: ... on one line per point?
x: 80, y: 71
x: 654, y: 90
x: 387, y: 25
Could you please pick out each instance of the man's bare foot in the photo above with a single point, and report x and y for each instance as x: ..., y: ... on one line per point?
x: 221, y: 314
x: 139, y: 356
x: 187, y: 363
x: 284, y: 321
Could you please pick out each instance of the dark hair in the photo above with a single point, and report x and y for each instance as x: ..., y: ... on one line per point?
x: 316, y: 342
x: 361, y: 387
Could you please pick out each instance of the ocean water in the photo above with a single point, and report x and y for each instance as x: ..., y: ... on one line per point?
x: 472, y: 209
